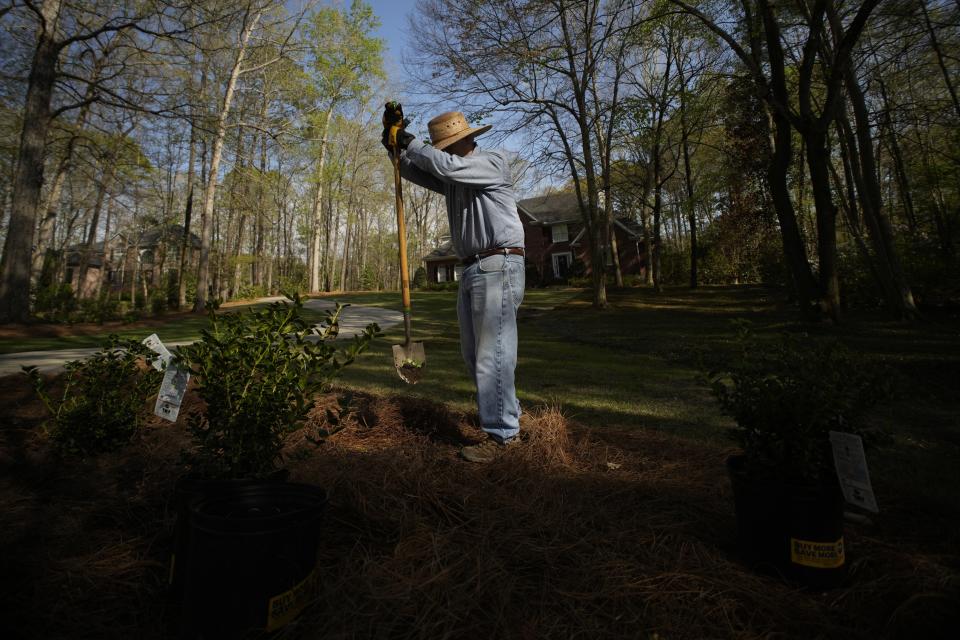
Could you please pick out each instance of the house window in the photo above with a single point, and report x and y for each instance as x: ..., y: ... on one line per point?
x: 559, y: 233
x: 561, y: 264
x: 457, y: 271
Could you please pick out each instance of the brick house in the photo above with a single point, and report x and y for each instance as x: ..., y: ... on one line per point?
x: 153, y: 258
x: 555, y: 243
x: 442, y: 263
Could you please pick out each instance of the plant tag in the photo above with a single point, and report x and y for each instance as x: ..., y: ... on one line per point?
x: 283, y: 608
x: 172, y: 390
x: 154, y: 343
x: 851, y: 464
x: 819, y: 555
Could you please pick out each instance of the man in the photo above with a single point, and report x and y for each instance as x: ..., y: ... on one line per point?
x: 488, y: 238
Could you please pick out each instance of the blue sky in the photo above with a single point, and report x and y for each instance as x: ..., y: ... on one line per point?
x: 393, y: 23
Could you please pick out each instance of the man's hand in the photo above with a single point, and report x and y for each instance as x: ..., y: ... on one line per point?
x: 394, y: 127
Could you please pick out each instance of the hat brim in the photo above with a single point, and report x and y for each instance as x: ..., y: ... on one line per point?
x: 446, y: 142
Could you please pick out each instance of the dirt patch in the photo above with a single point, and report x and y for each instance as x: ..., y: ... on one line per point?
x: 576, y: 532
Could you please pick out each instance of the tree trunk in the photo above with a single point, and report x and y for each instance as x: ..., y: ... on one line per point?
x: 850, y: 205
x: 898, y: 295
x: 318, y: 218
x: 28, y: 176
x: 903, y: 182
x: 347, y: 236
x: 691, y: 210
x: 818, y: 157
x: 793, y: 247
x: 688, y: 176
x: 186, y: 246
x: 106, y: 178
x: 203, y: 272
x: 107, y: 263
x: 49, y: 222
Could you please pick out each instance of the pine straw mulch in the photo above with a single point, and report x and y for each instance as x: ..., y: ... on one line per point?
x: 577, y: 533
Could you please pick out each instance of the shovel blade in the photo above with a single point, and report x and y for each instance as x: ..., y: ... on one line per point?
x: 409, y: 359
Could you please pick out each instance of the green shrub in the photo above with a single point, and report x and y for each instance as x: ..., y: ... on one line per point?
x: 249, y: 292
x: 97, y: 310
x: 419, y: 278
x: 451, y: 285
x: 257, y: 372
x: 296, y: 280
x: 103, y: 400
x: 158, y: 302
x: 787, y: 397
x: 55, y: 302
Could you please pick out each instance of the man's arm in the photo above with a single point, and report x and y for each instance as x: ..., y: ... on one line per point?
x: 475, y: 170
x: 418, y: 176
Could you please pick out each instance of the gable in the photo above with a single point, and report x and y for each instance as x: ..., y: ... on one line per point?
x: 551, y: 209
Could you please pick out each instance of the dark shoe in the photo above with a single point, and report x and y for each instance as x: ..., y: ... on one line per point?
x: 487, y: 451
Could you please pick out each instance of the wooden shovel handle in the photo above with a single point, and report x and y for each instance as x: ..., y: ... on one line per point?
x: 402, y: 232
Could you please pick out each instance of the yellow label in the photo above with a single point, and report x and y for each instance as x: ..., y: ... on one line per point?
x: 820, y: 555
x: 285, y: 607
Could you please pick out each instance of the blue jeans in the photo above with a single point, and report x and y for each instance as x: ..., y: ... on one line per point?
x: 490, y: 293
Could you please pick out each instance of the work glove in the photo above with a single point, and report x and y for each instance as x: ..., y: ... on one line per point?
x: 393, y: 120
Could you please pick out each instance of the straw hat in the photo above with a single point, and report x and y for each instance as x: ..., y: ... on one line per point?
x: 450, y: 127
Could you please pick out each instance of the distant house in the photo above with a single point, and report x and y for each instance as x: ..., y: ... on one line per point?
x: 154, y: 255
x: 555, y: 242
x: 442, y: 263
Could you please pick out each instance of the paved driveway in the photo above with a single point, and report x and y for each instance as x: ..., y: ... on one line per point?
x: 353, y: 319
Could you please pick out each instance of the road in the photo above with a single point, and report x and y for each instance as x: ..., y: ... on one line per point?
x: 353, y: 319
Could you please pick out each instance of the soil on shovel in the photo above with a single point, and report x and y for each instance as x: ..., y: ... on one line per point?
x: 594, y: 533
x: 411, y: 373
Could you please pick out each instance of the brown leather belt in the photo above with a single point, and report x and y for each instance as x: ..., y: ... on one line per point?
x: 514, y: 251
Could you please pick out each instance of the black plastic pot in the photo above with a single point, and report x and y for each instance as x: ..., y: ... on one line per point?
x: 186, y: 492
x: 252, y: 559
x: 761, y: 536
x: 795, y: 529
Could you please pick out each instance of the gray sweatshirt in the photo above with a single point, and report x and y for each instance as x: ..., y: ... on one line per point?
x: 479, y: 191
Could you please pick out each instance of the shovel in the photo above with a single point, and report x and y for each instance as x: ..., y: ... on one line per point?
x: 408, y: 357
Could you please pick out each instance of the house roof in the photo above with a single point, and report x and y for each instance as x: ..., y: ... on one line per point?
x: 552, y: 209
x: 168, y: 232
x: 633, y: 229
x: 443, y: 252
x: 95, y: 260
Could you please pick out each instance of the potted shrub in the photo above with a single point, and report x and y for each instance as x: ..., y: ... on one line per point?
x: 257, y: 372
x: 246, y: 542
x: 785, y: 399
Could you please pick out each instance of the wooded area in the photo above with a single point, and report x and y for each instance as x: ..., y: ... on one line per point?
x: 808, y: 143
x: 811, y: 144
x: 254, y: 128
